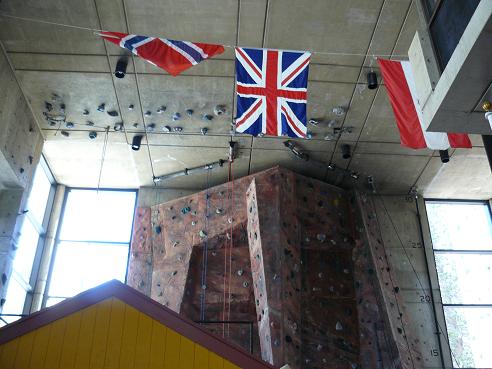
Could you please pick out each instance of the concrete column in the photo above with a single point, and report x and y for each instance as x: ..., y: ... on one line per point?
x: 48, y: 247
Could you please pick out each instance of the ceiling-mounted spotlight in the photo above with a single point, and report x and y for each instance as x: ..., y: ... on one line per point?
x: 120, y: 70
x: 444, y: 156
x: 339, y: 110
x: 346, y: 151
x: 372, y: 80
x: 136, y: 141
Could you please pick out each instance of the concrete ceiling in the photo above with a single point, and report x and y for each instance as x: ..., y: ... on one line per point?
x: 77, y: 65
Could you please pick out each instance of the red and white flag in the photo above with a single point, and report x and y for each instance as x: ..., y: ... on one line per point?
x: 400, y: 84
x: 171, y: 55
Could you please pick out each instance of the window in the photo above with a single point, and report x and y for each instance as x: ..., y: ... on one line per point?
x: 93, y: 241
x: 462, y: 240
x: 29, y: 244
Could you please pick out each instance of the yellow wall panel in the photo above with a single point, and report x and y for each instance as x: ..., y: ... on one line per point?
x: 70, y: 341
x: 99, y: 341
x: 40, y: 347
x: 86, y: 333
x: 24, y: 351
x: 201, y: 357
x: 173, y: 343
x: 229, y: 365
x: 215, y: 361
x: 115, y: 334
x: 55, y: 342
x: 129, y: 339
x: 144, y: 337
x: 186, y: 354
x: 8, y: 354
x: 157, y: 346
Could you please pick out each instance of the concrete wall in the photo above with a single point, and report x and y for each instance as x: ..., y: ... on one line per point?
x: 20, y: 149
x: 404, y: 278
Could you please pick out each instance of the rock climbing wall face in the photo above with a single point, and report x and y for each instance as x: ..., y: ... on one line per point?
x: 294, y: 256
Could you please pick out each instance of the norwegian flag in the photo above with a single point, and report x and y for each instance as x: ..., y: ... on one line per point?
x: 271, y: 92
x: 171, y: 55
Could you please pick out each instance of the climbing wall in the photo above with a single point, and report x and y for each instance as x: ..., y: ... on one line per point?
x: 287, y: 253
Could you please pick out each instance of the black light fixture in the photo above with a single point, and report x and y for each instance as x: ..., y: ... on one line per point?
x: 346, y: 151
x: 120, y: 70
x: 136, y: 141
x: 372, y: 80
x: 444, y: 155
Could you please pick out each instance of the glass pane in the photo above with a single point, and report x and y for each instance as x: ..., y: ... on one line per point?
x: 26, y: 251
x: 15, y: 298
x: 53, y: 301
x: 80, y: 265
x: 98, y: 216
x: 38, y: 197
x: 470, y: 336
x: 465, y: 278
x: 460, y: 226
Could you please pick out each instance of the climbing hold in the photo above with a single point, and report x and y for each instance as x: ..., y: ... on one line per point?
x: 245, y: 284
x: 85, y: 112
x: 158, y: 229
x: 174, y: 273
x: 89, y: 123
x: 189, y: 112
x: 148, y: 113
x: 113, y: 113
x: 151, y: 127
x: 193, y: 223
x: 166, y: 129
x: 218, y: 211
x: 69, y: 125
x: 338, y: 326
x: 131, y: 107
x: 321, y: 237
x: 101, y: 107
x: 207, y: 117
x: 177, y: 129
x: 161, y: 109
x: 175, y: 243
x: 219, y: 109
x: 397, y: 289
x: 135, y: 125
x: 92, y: 135
x: 48, y: 106
x: 62, y: 108
x: 186, y: 210
x: 176, y: 116
x: 240, y: 272
x: 204, y: 131
x: 202, y: 234
x: 65, y: 133
x: 118, y: 126
x: 230, y: 220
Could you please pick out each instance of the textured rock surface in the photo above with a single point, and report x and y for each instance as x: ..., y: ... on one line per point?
x: 299, y: 262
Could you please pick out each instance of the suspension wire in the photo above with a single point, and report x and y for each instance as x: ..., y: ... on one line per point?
x: 205, y: 252
x: 103, y: 156
x: 231, y: 170
x: 441, y: 331
x: 98, y: 31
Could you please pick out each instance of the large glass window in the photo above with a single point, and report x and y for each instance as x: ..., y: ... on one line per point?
x: 35, y: 219
x: 93, y: 241
x: 462, y: 240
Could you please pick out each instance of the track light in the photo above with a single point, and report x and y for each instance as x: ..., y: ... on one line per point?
x: 136, y: 141
x: 444, y: 155
x: 346, y: 151
x: 372, y: 80
x: 120, y: 70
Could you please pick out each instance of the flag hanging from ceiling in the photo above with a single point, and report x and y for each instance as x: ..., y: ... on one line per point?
x: 271, y: 90
x: 400, y: 84
x: 171, y: 55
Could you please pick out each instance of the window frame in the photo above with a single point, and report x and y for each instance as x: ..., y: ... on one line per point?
x: 440, y: 305
x: 46, y: 295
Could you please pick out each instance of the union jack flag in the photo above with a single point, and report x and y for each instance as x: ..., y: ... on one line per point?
x: 271, y: 92
x: 171, y: 55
